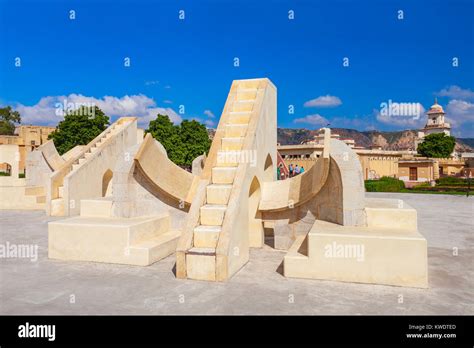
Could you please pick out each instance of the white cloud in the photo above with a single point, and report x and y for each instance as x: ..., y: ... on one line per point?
x: 325, y: 101
x: 209, y: 123
x: 209, y: 113
x: 168, y: 101
x: 460, y: 114
x: 48, y: 110
x: 456, y: 92
x: 315, y: 120
x: 460, y: 110
x: 151, y: 113
x: 402, y: 121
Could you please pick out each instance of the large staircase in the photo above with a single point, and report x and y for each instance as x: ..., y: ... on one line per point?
x: 57, y: 204
x: 206, y: 234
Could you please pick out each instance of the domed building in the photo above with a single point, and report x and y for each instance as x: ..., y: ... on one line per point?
x: 436, y: 122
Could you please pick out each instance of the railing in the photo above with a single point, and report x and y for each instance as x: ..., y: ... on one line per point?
x: 57, y: 178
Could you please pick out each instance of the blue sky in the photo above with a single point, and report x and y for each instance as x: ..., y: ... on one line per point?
x: 190, y: 62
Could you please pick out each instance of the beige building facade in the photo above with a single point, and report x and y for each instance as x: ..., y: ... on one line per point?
x: 27, y: 138
x: 375, y: 163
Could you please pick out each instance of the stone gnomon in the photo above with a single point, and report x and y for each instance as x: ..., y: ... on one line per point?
x: 139, y: 207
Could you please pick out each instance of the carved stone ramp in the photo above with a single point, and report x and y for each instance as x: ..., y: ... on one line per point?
x: 223, y: 220
x: 165, y: 176
x: 336, y: 196
x: 287, y: 194
x: 51, y: 155
x: 87, y: 174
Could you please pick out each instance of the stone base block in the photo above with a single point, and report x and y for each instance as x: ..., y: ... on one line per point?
x: 135, y: 241
x: 359, y: 254
x: 201, y: 264
x: 96, y: 207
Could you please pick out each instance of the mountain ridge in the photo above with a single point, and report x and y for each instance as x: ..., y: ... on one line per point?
x: 395, y: 140
x: 387, y: 140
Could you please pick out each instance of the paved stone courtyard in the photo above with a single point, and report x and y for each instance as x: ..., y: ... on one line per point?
x: 49, y: 286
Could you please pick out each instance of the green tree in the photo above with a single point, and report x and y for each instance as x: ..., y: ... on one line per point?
x: 8, y: 118
x: 164, y: 131
x: 184, y: 142
x: 79, y: 127
x: 194, y: 140
x: 437, y: 145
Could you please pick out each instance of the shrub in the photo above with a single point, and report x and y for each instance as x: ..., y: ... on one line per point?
x: 384, y: 184
x: 451, y: 181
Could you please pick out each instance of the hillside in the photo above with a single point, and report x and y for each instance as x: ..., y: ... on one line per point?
x: 400, y: 140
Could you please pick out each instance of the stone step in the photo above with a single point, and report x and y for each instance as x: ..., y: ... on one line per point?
x: 246, y: 94
x: 88, y: 154
x: 61, y: 191
x: 82, y: 160
x: 149, y: 228
x: 389, y: 212
x: 228, y: 158
x: 212, y: 214
x: 154, y: 249
x: 75, y: 166
x: 206, y: 236
x: 34, y: 190
x: 218, y: 193
x: 235, y: 130
x: 223, y: 175
x: 201, y: 264
x: 244, y: 105
x: 57, y: 207
x: 239, y: 117
x: 248, y: 84
x: 96, y: 207
x: 232, y: 143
